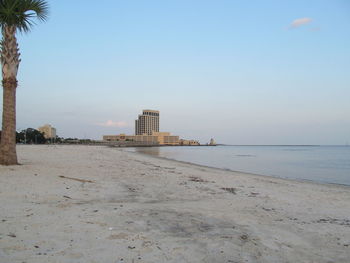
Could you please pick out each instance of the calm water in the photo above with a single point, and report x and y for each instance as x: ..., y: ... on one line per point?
x: 326, y: 164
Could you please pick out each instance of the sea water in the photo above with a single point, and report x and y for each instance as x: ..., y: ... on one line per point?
x: 324, y: 164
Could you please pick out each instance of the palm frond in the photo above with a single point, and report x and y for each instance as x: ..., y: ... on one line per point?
x: 22, y: 13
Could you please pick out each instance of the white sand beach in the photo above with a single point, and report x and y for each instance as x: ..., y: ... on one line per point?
x: 85, y: 204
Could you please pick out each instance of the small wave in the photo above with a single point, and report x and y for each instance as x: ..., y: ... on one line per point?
x: 296, y: 150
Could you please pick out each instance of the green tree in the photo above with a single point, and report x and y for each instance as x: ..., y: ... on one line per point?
x: 30, y: 136
x: 20, y: 137
x: 15, y: 16
x: 33, y: 136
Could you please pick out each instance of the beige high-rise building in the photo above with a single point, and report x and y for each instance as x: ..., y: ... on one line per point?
x: 147, y: 123
x: 48, y: 130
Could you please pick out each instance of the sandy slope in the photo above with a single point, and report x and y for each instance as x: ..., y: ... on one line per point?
x: 135, y: 208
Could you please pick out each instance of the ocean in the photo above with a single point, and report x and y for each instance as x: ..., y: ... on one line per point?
x: 323, y: 164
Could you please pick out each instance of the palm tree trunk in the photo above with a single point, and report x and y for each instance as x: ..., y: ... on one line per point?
x: 10, y: 62
x: 8, y: 154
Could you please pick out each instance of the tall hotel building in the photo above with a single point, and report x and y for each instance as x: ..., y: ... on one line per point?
x: 147, y: 123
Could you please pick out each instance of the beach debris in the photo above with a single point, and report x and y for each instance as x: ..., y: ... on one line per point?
x: 130, y: 247
x: 67, y: 197
x: 197, y: 179
x: 12, y: 235
x: 227, y: 237
x: 244, y: 237
x: 268, y: 209
x: 253, y: 194
x: 131, y: 189
x: 342, y: 222
x: 76, y: 179
x: 230, y: 190
x: 203, y: 227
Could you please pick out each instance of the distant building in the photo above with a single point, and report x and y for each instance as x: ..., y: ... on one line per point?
x: 157, y: 138
x: 147, y: 122
x: 147, y: 133
x: 164, y: 138
x: 188, y: 142
x: 212, y: 142
x: 48, y: 131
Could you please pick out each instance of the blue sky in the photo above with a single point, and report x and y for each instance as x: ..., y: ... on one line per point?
x: 243, y: 72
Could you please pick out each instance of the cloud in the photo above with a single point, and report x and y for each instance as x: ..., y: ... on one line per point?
x: 300, y: 22
x: 110, y: 123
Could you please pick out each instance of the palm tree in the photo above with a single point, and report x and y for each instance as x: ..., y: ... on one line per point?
x: 15, y: 16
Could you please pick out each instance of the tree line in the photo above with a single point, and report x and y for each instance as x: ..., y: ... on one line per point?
x: 33, y: 136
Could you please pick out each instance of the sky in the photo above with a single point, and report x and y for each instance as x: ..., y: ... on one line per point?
x: 241, y: 72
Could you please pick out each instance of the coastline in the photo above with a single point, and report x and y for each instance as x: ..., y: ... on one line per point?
x: 101, y: 204
x: 237, y: 171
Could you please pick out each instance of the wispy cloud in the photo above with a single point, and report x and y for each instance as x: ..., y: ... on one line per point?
x: 300, y: 22
x: 110, y: 123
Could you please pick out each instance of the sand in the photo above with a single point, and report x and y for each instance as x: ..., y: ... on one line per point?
x: 104, y: 205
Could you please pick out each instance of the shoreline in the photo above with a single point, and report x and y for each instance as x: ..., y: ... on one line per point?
x: 236, y: 171
x: 95, y: 204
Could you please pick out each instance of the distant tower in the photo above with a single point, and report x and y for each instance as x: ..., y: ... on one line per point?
x: 212, y: 142
x: 147, y: 123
